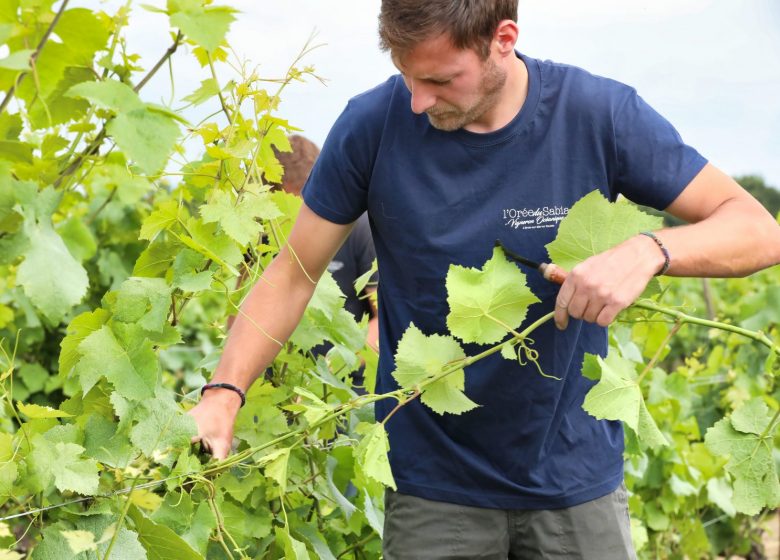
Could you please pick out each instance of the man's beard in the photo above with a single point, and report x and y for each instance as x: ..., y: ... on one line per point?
x: 449, y: 117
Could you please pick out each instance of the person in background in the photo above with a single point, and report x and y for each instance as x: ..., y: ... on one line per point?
x: 353, y: 259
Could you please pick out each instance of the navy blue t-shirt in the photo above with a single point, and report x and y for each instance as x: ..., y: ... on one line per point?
x: 435, y: 198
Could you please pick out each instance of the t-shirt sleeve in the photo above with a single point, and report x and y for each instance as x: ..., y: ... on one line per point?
x: 654, y: 164
x: 337, y: 186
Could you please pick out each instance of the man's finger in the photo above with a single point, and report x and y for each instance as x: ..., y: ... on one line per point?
x: 220, y: 451
x: 565, y: 295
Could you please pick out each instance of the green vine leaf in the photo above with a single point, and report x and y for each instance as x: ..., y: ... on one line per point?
x: 165, y: 215
x: 80, y: 541
x: 293, y: 549
x: 747, y: 440
x: 108, y: 94
x: 594, y: 225
x: 143, y: 301
x: 206, y: 26
x: 371, y: 455
x: 618, y: 396
x: 162, y: 430
x: 486, y: 303
x: 132, y: 371
x: 160, y: 542
x: 421, y: 357
x: 146, y: 136
x: 240, y: 219
x: 63, y: 464
x: 51, y: 277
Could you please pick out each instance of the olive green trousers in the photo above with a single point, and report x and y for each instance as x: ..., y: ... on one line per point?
x: 419, y: 529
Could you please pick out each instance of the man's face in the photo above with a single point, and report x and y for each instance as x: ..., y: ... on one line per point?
x: 453, y: 87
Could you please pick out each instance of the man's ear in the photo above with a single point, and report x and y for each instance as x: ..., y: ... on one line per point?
x: 505, y: 37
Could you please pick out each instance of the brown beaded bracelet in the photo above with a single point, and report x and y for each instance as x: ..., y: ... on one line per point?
x: 667, y: 258
x: 229, y: 386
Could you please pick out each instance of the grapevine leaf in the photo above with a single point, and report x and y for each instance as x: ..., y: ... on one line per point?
x: 245, y: 524
x: 164, y: 216
x: 206, y: 26
x: 37, y: 411
x: 187, y: 275
x: 486, y: 303
x: 133, y: 372
x: 276, y: 467
x: 327, y: 296
x: 618, y: 396
x: 347, y: 507
x: 719, y: 492
x: 750, y: 458
x: 208, y: 89
x: 239, y: 220
x: 80, y: 541
x: 155, y: 260
x: 147, y: 137
x: 217, y: 246
x: 144, y: 301
x: 421, y: 357
x: 17, y: 60
x: 54, y: 546
x: 594, y: 225
x: 8, y: 468
x: 51, y: 277
x: 293, y: 549
x: 78, y: 239
x: 509, y: 352
x: 446, y: 395
x: 372, y: 455
x: 62, y: 463
x: 161, y: 428
x: 374, y: 515
x: 316, y: 541
x: 79, y: 328
x: 108, y: 94
x: 161, y: 542
x: 105, y: 443
x: 60, y: 108
x: 751, y: 418
x: 83, y: 33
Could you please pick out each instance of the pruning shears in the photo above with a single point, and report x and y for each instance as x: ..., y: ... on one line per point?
x: 551, y: 272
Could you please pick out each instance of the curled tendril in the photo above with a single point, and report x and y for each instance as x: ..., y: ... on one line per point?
x: 526, y: 354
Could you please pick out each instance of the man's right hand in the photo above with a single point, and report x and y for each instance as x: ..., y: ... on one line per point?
x: 215, y: 415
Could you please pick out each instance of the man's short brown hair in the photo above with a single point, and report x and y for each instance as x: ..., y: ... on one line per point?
x: 403, y: 24
x: 298, y: 163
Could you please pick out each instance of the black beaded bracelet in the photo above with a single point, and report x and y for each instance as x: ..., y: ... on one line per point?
x: 229, y: 386
x: 664, y: 250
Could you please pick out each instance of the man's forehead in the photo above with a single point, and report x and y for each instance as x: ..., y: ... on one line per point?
x: 435, y: 56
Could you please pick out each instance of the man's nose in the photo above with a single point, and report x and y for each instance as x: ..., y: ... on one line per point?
x: 422, y: 96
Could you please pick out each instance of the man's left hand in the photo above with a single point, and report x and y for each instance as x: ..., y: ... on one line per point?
x: 602, y: 286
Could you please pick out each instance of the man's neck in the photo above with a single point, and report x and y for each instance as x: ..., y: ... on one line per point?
x: 510, y: 102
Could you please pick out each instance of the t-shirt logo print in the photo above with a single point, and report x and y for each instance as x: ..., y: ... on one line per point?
x: 534, y: 218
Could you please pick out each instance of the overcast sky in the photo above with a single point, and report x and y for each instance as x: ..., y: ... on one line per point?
x: 712, y: 67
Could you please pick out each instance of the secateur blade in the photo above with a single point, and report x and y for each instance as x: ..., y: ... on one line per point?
x: 550, y: 271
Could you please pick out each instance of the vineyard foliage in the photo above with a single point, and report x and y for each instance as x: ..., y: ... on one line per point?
x: 131, y: 231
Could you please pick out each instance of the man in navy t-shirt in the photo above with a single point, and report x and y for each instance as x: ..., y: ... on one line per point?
x: 444, y: 157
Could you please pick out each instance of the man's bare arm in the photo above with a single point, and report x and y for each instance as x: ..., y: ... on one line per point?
x: 267, y: 318
x: 730, y: 234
